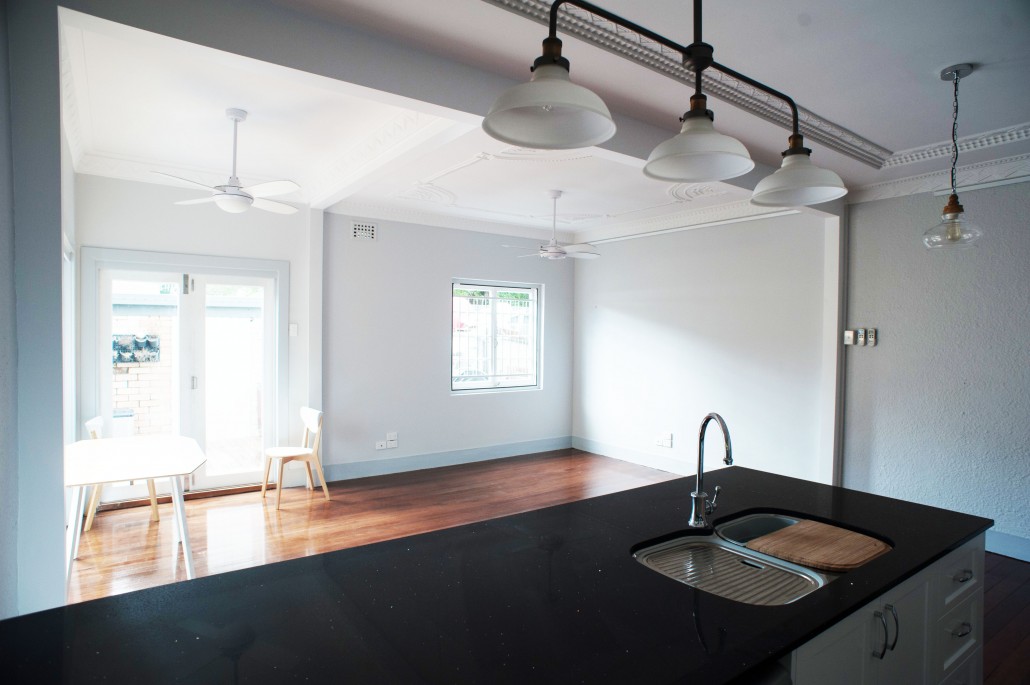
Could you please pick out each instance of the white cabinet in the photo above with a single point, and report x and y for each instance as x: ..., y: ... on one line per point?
x: 926, y: 630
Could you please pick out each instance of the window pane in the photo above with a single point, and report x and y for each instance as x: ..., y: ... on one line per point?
x: 494, y: 337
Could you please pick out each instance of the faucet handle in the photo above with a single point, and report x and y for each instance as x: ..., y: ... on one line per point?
x: 710, y: 506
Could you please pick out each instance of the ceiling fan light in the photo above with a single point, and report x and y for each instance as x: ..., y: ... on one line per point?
x: 698, y: 153
x: 233, y: 203
x: 798, y: 183
x: 549, y: 112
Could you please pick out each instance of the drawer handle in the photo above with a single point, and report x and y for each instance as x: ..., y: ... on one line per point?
x: 963, y: 576
x: 897, y: 625
x: 883, y: 620
x: 962, y: 630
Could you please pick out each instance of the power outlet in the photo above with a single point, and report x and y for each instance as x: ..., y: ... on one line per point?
x: 380, y: 444
x: 664, y: 440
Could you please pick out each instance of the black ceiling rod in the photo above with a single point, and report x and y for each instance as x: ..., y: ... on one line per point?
x: 697, y: 56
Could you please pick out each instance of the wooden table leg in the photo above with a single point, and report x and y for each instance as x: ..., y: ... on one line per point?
x: 179, y: 507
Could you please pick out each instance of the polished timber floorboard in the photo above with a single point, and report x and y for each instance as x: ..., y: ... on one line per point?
x: 125, y: 551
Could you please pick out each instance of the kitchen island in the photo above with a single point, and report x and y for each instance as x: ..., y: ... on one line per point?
x: 552, y: 595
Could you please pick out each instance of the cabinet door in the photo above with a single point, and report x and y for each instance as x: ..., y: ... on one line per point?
x: 840, y: 655
x: 905, y: 612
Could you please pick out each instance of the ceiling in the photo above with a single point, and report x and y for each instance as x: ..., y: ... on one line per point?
x: 136, y: 102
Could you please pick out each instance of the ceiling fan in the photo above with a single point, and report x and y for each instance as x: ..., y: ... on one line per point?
x: 232, y: 197
x: 554, y: 249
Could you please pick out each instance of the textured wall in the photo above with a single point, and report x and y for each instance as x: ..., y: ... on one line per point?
x: 939, y: 412
x: 8, y: 355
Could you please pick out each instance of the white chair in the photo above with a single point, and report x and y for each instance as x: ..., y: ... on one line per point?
x: 95, y: 429
x: 309, y: 452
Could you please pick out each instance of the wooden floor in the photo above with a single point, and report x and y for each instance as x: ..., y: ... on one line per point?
x: 126, y: 552
x: 1006, y: 621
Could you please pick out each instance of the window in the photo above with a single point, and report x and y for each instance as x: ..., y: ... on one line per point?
x: 495, y: 335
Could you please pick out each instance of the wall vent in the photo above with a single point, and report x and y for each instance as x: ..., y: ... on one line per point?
x: 364, y: 230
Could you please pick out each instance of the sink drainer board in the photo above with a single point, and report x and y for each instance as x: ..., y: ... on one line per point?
x: 710, y: 566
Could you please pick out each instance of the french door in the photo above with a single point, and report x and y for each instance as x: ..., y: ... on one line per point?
x: 195, y: 352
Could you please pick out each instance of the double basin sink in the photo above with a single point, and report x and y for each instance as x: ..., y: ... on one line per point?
x: 722, y: 565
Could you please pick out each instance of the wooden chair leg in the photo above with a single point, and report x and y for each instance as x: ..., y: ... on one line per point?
x: 94, y: 502
x: 279, y: 484
x: 264, y: 481
x: 311, y: 481
x: 321, y: 477
x: 153, y: 500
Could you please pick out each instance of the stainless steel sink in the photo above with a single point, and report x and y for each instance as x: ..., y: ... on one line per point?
x: 714, y: 565
x: 747, y: 528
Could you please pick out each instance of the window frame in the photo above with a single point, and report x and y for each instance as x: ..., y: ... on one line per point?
x: 481, y: 284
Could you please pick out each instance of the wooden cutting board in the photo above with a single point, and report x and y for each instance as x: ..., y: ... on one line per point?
x: 820, y: 546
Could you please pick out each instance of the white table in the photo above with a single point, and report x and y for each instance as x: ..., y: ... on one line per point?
x: 140, y: 457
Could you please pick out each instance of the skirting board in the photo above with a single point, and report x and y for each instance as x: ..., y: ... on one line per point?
x: 1008, y: 545
x: 662, y: 463
x: 382, y: 467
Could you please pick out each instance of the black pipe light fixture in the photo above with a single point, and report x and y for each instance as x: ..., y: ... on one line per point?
x: 552, y: 113
x: 953, y: 231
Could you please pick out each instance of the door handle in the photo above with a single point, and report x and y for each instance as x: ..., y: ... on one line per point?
x: 897, y: 625
x: 883, y: 620
x: 194, y: 383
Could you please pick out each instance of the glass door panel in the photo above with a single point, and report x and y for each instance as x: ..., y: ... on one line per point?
x: 238, y: 365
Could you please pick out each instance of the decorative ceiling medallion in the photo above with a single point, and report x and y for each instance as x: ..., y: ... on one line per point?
x: 427, y: 192
x: 688, y: 192
x: 634, y: 46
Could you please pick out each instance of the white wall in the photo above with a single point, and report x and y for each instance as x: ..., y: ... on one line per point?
x: 939, y: 411
x: 387, y: 351
x: 727, y: 319
x: 142, y: 216
x: 8, y: 355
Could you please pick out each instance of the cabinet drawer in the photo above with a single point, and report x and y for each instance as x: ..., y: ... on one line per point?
x: 958, y: 575
x: 956, y: 636
x: 969, y: 672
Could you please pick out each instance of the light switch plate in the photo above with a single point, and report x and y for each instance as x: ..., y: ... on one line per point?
x: 860, y: 336
x: 849, y: 337
x: 380, y: 444
x: 870, y: 337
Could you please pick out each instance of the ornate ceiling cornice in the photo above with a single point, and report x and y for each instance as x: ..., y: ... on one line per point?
x: 1008, y: 170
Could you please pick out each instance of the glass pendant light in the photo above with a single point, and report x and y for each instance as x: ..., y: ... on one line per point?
x: 550, y: 112
x: 698, y: 152
x: 954, y: 231
x: 798, y: 182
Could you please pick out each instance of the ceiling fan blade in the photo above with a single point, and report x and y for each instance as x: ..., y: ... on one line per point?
x: 271, y: 188
x: 528, y: 254
x: 198, y: 201
x: 581, y: 251
x: 187, y: 181
x: 273, y: 206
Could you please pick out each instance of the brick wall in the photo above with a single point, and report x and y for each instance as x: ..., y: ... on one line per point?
x: 146, y: 387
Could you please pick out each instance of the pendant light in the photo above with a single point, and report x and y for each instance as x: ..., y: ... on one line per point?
x: 698, y: 152
x: 552, y: 113
x: 953, y: 231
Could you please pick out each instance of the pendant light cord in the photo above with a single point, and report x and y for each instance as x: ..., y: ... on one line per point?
x: 954, y: 133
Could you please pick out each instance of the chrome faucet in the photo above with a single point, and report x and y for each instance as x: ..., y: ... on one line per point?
x: 700, y: 507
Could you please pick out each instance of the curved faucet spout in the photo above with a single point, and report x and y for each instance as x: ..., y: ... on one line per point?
x: 700, y: 506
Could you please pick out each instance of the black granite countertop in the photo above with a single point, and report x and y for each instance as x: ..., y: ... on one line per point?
x: 551, y: 595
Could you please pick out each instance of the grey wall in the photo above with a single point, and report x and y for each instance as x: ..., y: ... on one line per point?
x: 939, y: 411
x: 387, y: 351
x: 36, y: 171
x: 8, y: 352
x: 725, y: 318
